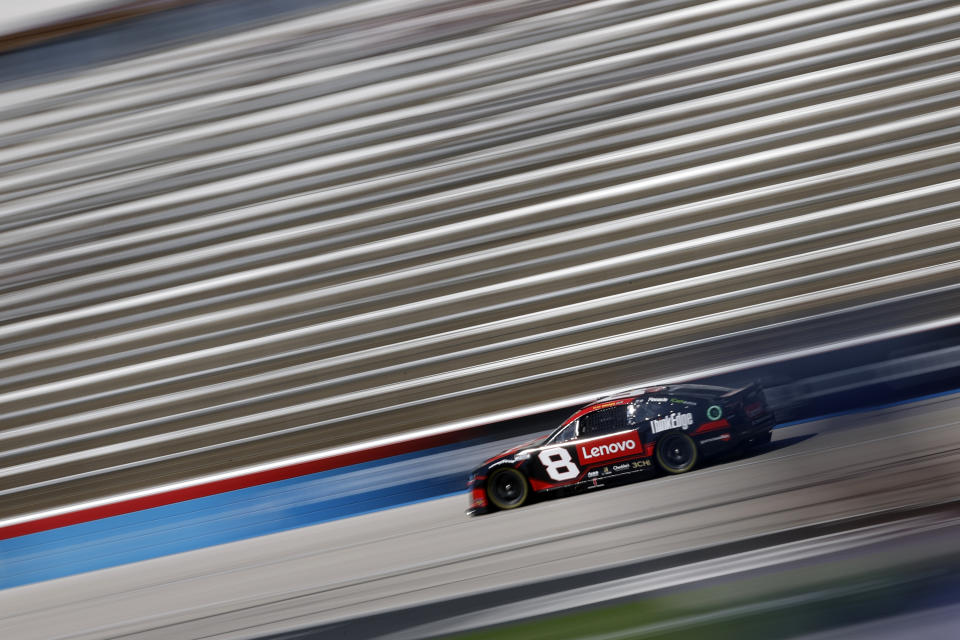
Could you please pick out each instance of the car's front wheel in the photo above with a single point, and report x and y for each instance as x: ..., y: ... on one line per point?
x: 507, y: 488
x: 676, y: 452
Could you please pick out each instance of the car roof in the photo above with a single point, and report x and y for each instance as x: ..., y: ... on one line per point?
x: 684, y: 389
x: 700, y: 390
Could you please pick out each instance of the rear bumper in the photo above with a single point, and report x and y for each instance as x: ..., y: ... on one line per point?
x: 759, y: 425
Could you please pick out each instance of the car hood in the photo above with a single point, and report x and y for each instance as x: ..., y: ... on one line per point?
x: 536, y: 442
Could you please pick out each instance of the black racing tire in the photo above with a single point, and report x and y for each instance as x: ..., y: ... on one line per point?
x: 507, y: 488
x: 676, y: 452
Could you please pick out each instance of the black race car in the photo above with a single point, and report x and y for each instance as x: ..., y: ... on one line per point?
x: 668, y: 428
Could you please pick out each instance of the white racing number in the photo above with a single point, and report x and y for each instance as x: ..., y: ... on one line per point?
x: 559, y: 464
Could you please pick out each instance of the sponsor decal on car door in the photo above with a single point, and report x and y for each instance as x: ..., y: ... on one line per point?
x: 565, y: 462
x: 618, y: 445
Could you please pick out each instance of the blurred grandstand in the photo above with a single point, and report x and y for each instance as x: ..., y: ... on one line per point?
x: 237, y: 231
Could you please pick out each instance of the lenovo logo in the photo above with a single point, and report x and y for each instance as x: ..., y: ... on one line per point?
x: 609, y: 447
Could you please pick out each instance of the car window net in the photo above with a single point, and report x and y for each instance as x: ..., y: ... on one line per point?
x: 604, y: 421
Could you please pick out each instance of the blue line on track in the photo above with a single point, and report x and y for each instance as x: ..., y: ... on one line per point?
x: 231, y: 516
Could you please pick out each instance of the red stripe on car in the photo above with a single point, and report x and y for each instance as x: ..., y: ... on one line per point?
x: 716, y: 425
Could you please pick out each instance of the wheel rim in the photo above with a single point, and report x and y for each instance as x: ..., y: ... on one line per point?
x: 507, y: 488
x: 677, y: 452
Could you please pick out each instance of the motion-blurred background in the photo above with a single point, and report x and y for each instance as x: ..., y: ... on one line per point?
x: 240, y: 236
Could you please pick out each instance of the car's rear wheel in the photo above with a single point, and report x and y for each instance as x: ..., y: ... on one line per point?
x: 676, y: 452
x: 507, y: 488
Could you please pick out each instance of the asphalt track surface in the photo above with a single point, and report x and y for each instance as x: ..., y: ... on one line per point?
x: 814, y: 472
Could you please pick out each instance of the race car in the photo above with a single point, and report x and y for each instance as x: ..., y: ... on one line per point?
x: 641, y: 432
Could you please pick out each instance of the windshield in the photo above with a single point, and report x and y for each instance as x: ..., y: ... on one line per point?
x: 565, y: 434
